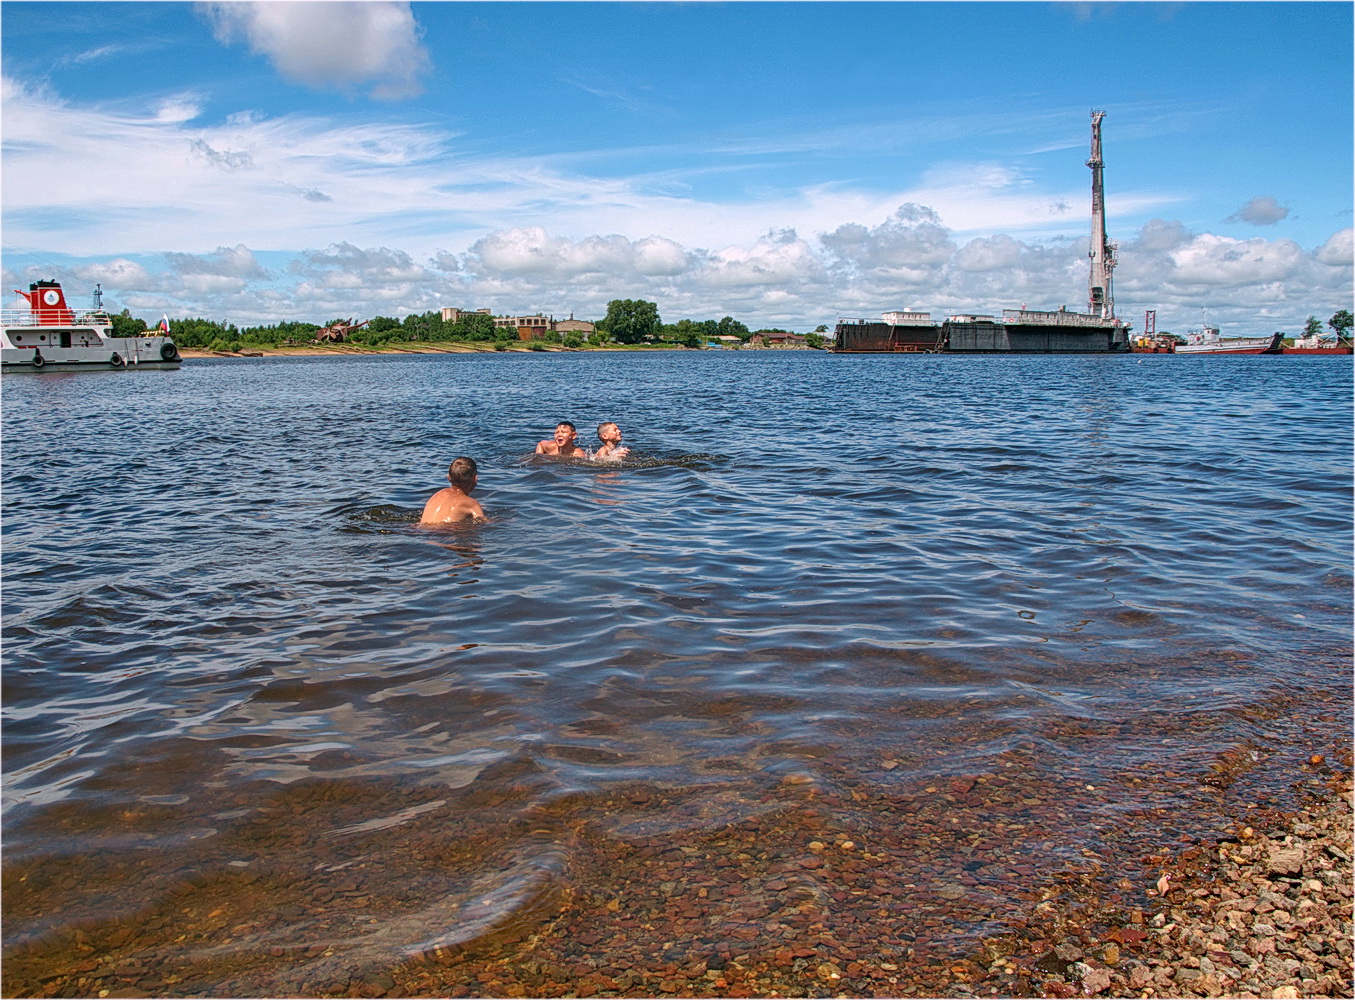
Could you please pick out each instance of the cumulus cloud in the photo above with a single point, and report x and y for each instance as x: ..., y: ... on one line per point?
x: 330, y: 45
x: 529, y: 251
x: 991, y: 254
x: 1219, y: 260
x: 1338, y: 251
x: 119, y: 273
x: 236, y: 262
x: 655, y: 255
x: 346, y: 264
x: 910, y: 249
x: 1260, y: 211
x: 1159, y: 234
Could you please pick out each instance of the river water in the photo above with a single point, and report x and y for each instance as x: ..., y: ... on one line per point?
x: 988, y: 621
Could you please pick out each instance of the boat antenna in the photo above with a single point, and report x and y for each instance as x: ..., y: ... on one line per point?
x: 98, y: 297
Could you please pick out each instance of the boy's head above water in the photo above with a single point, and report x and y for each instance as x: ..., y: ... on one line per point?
x: 565, y: 441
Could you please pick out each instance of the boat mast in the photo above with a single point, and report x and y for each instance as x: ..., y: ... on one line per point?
x: 1100, y: 299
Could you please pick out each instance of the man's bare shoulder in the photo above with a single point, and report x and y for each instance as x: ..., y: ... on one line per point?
x: 547, y: 448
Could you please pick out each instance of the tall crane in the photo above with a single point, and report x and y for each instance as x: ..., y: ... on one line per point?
x: 1100, y: 298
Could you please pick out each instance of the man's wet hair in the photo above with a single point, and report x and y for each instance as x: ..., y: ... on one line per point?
x: 566, y: 423
x: 607, y: 423
x: 462, y: 472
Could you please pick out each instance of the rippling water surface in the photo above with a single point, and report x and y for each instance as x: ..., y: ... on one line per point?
x: 864, y: 594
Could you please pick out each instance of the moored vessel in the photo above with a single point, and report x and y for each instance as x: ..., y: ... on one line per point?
x: 1206, y: 340
x: 48, y: 336
x: 1317, y: 344
x: 1030, y: 331
x: 901, y: 330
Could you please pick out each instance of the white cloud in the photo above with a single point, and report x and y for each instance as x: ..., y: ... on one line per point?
x: 780, y: 260
x: 656, y: 256
x: 1159, y: 234
x: 1219, y: 260
x: 995, y: 253
x: 1338, y: 251
x: 237, y: 262
x: 1260, y: 211
x: 330, y: 45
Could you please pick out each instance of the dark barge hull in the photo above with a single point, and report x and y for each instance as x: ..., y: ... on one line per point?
x: 1065, y: 333
x: 1034, y: 338
x: 888, y: 338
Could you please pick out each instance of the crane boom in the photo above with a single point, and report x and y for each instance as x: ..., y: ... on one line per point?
x: 1100, y: 298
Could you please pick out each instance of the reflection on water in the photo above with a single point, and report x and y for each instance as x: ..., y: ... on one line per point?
x: 985, y: 619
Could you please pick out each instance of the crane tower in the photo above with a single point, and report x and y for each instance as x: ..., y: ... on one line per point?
x: 1100, y: 299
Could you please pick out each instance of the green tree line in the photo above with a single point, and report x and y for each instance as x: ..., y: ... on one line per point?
x: 628, y: 321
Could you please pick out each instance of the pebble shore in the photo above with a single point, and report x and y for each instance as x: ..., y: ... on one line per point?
x: 1265, y: 915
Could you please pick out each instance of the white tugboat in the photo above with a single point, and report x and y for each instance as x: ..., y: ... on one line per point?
x: 50, y: 336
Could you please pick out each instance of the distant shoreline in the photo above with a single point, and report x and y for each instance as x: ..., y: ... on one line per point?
x: 458, y: 347
x: 332, y: 350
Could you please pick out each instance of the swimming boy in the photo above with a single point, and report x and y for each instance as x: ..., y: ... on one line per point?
x: 612, y: 450
x: 564, y: 444
x: 454, y: 503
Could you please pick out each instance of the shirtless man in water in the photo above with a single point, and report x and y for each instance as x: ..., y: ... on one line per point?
x: 564, y: 444
x: 454, y: 503
x: 612, y: 449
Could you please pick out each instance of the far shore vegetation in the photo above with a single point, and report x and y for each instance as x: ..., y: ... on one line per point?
x: 632, y: 324
x: 629, y: 323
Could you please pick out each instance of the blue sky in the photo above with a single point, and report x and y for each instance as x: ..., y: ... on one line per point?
x: 784, y: 163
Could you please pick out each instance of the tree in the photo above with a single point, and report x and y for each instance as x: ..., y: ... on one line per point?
x: 474, y: 326
x: 814, y: 340
x: 201, y: 332
x: 689, y: 336
x: 730, y: 327
x: 126, y: 325
x: 1341, y: 323
x: 821, y: 328
x: 686, y: 332
x: 630, y: 321
x: 1312, y: 328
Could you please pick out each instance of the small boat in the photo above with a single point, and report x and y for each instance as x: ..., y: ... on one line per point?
x: 1317, y: 344
x: 1206, y: 340
x: 48, y: 335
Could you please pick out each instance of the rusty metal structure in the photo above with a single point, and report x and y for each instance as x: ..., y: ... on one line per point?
x: 337, y: 333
